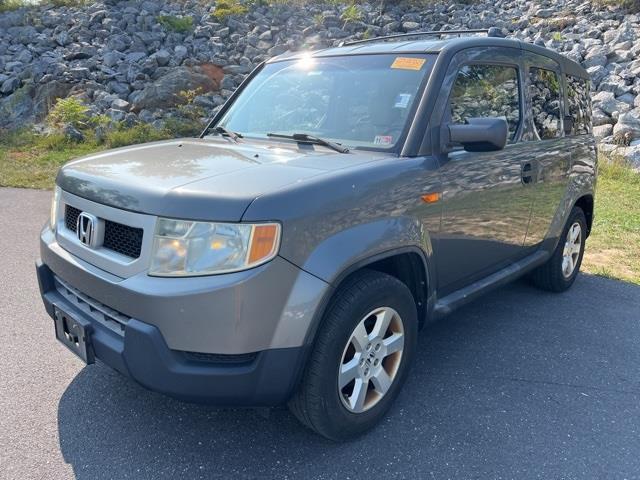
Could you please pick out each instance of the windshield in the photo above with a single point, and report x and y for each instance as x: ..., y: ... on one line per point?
x: 357, y: 101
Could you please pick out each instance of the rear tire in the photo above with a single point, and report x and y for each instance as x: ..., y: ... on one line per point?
x: 360, y: 359
x: 561, y: 270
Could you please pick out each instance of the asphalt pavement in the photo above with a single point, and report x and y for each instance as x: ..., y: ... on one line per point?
x: 520, y: 384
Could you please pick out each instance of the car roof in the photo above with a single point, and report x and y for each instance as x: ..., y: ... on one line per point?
x: 435, y: 46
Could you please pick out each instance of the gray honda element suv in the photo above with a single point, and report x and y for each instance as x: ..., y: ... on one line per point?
x: 336, y: 203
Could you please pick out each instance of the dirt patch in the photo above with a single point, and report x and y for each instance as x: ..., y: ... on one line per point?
x: 212, y: 71
x: 610, y: 260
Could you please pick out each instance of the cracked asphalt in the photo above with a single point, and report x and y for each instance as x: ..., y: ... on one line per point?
x: 520, y: 384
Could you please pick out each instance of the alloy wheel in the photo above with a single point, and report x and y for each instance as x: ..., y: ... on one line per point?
x: 371, y: 359
x: 572, y: 248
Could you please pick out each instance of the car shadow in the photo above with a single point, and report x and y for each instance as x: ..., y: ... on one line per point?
x: 493, y: 393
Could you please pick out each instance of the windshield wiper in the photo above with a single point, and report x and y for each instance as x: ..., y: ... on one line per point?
x: 306, y: 138
x: 235, y: 136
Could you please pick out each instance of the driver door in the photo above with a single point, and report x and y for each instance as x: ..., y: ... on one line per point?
x: 486, y: 199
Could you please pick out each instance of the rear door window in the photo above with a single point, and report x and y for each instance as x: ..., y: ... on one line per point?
x: 486, y: 91
x: 544, y: 91
x: 579, y: 104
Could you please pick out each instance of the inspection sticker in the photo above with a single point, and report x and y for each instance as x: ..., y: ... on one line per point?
x: 408, y: 63
x: 383, y: 140
x: 402, y: 100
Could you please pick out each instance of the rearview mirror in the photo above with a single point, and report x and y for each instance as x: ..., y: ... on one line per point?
x: 479, y: 134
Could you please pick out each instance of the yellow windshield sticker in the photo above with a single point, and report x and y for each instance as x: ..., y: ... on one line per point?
x: 408, y: 63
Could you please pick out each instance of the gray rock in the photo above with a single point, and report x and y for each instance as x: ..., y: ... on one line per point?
x: 602, y: 131
x: 146, y: 116
x: 134, y: 57
x: 111, y: 59
x: 10, y: 85
x: 180, y: 52
x: 598, y: 117
x: 72, y: 133
x: 120, y: 104
x: 544, y: 13
x: 24, y: 56
x: 628, y: 124
x: 410, y: 26
x: 607, y: 102
x: 115, y: 115
x: 62, y: 39
x: 162, y: 57
x: 164, y: 92
x: 79, y: 73
x: 631, y: 154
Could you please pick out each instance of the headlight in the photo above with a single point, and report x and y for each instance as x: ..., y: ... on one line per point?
x: 185, y: 248
x: 54, y: 208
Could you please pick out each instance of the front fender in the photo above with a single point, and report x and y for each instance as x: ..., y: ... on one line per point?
x: 360, y: 244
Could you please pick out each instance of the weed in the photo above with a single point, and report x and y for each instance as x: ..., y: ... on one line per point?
x: 176, y: 24
x: 351, y: 14
x: 68, y: 111
x: 228, y: 8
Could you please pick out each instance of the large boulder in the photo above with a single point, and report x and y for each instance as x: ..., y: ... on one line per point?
x: 17, y: 109
x: 607, y: 102
x: 165, y: 92
x: 628, y: 124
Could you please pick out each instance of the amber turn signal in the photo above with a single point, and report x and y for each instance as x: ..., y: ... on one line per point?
x: 431, y: 197
x: 264, y: 242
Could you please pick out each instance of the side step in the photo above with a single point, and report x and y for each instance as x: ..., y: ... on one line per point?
x: 454, y: 300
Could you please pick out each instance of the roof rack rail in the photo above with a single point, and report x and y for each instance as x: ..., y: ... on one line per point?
x: 490, y: 32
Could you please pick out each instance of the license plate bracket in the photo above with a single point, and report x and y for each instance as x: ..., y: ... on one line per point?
x: 74, y: 333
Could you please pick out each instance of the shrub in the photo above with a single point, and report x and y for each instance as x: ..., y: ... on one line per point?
x: 176, y: 24
x: 57, y: 142
x: 68, y: 111
x: 227, y: 8
x: 188, y: 109
x: 17, y: 138
x: 9, y: 5
x: 178, y: 127
x: 121, y: 136
x: 351, y: 14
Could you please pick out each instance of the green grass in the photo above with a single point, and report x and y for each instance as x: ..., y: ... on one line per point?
x: 28, y: 160
x: 31, y: 161
x: 176, y: 24
x: 613, y: 249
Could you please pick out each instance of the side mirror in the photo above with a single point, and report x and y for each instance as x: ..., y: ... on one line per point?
x: 479, y: 134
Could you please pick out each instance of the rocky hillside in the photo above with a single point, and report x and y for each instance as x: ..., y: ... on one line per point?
x: 130, y: 60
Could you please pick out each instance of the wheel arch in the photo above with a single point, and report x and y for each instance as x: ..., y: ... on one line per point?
x: 586, y: 203
x: 409, y: 264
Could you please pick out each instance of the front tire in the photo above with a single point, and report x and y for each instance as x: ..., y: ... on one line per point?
x: 561, y: 270
x: 361, y: 357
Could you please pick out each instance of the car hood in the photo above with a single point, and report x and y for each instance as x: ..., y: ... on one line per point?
x: 208, y: 179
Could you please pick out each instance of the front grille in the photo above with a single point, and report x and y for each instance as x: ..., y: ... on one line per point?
x: 122, y: 239
x: 101, y: 313
x: 71, y: 217
x: 119, y: 238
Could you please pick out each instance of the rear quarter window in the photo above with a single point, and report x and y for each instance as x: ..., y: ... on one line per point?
x: 579, y: 105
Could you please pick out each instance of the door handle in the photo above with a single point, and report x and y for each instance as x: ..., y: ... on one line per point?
x: 528, y: 172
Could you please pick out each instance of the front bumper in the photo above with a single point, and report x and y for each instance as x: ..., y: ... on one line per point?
x: 264, y: 378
